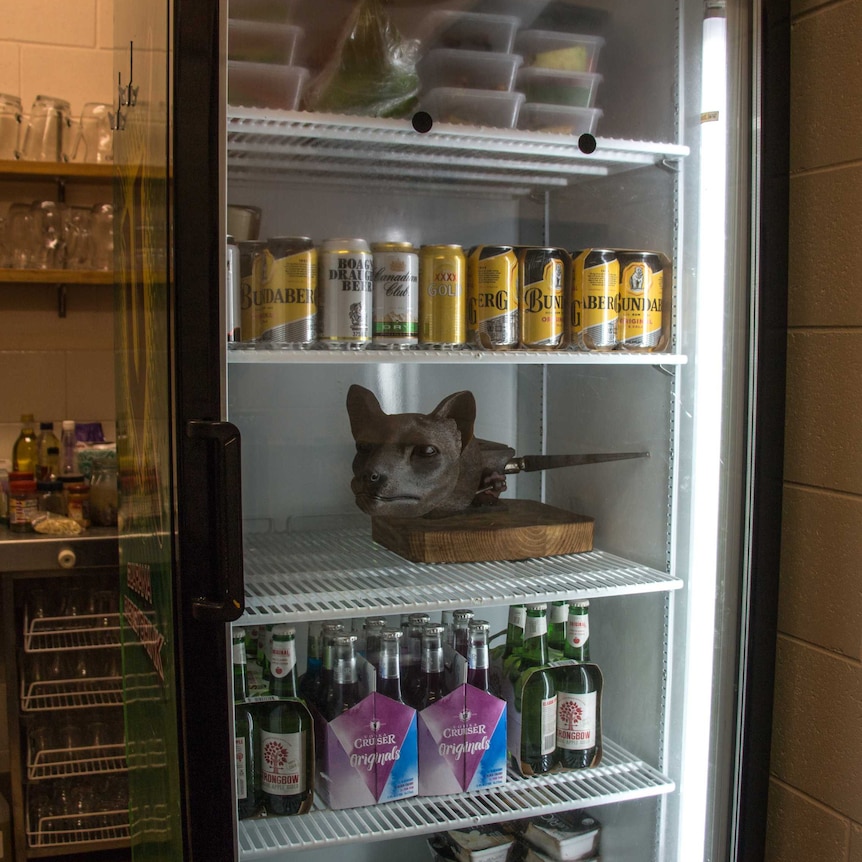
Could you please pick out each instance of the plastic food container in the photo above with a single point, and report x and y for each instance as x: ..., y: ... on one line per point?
x: 477, y: 70
x: 558, y: 119
x: 263, y: 85
x: 475, y: 107
x: 526, y: 10
x: 577, y: 89
x: 567, y: 52
x: 262, y: 41
x: 470, y: 31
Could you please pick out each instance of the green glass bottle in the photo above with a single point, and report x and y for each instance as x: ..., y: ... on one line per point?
x: 536, y: 696
x: 286, y: 734
x: 246, y: 742
x: 558, y: 614
x: 577, y: 724
x: 514, y: 638
x: 25, y: 450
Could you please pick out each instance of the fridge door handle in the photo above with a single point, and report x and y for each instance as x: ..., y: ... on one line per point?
x: 229, y: 601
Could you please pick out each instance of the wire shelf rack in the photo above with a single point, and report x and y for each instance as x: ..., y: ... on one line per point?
x: 92, y: 631
x: 621, y: 776
x: 50, y: 763
x: 61, y: 830
x: 49, y: 695
x: 309, y: 575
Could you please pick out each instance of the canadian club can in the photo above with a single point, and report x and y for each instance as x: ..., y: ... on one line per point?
x: 251, y: 264
x: 596, y: 289
x: 346, y: 292
x: 395, y: 314
x: 442, y: 296
x: 641, y: 299
x: 492, y: 297
x: 543, y: 274
x: 289, y: 292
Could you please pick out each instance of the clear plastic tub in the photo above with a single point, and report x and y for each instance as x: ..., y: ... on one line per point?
x: 566, y: 52
x: 264, y: 85
x: 470, y: 31
x: 558, y: 119
x: 262, y: 42
x: 280, y: 11
x: 474, y: 107
x: 477, y: 70
x: 576, y: 89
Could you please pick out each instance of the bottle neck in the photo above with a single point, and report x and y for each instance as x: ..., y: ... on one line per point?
x: 536, y: 637
x: 577, y: 645
x: 240, y: 675
x: 282, y: 667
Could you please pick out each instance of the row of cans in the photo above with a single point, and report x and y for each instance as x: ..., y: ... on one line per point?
x: 347, y: 293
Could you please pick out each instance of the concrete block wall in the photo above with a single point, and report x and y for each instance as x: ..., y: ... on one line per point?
x: 815, y: 801
x: 55, y: 367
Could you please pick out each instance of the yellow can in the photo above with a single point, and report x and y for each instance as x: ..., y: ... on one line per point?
x: 442, y: 296
x: 492, y: 296
x: 596, y: 290
x: 543, y: 273
x: 290, y: 291
x: 641, y: 300
x: 251, y: 268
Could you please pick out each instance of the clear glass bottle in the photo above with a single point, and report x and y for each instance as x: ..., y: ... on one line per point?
x: 286, y: 735
x: 51, y: 498
x: 328, y: 634
x: 478, y: 633
x: 411, y: 655
x: 344, y: 689
x: 389, y: 665
x: 460, y: 622
x: 48, y: 453
x: 374, y: 628
x: 68, y: 449
x: 25, y: 450
x: 536, y: 696
x: 246, y: 741
x: 309, y: 682
x: 104, y: 496
x: 431, y: 684
x: 577, y: 695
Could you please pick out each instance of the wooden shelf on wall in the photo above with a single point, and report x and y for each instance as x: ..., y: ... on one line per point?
x: 85, y: 172
x: 55, y: 276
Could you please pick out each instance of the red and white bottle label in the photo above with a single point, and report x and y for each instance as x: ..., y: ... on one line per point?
x: 576, y: 720
x: 240, y: 755
x: 283, y: 770
x: 283, y: 658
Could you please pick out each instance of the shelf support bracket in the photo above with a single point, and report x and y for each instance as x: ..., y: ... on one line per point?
x: 61, y: 300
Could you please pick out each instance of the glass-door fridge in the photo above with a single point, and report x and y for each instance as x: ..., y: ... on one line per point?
x: 364, y: 247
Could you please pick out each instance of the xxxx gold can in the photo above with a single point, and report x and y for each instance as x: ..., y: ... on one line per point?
x: 641, y: 300
x: 492, y: 297
x: 442, y: 296
x: 596, y: 292
x: 289, y: 292
x: 543, y: 274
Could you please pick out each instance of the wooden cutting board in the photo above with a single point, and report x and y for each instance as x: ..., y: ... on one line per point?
x: 511, y: 530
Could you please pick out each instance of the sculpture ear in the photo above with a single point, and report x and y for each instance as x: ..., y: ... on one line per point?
x: 460, y: 406
x: 363, y: 408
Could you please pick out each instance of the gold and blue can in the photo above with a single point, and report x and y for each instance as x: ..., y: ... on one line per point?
x: 543, y: 274
x: 641, y: 316
x: 290, y: 291
x: 492, y: 297
x: 596, y: 292
x: 442, y: 296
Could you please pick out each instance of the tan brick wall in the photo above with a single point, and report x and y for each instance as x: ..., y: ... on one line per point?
x: 815, y: 802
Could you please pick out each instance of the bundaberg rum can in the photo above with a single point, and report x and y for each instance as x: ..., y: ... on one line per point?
x: 290, y: 291
x: 442, y: 296
x: 346, y: 290
x: 641, y: 300
x: 596, y: 289
x: 543, y: 274
x: 492, y: 297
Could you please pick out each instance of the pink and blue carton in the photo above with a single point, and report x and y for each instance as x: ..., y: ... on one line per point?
x: 381, y: 750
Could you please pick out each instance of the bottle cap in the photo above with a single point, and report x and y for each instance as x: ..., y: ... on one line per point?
x: 68, y: 424
x: 23, y: 486
x: 46, y: 426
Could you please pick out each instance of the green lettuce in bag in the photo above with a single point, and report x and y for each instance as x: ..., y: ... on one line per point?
x: 372, y: 70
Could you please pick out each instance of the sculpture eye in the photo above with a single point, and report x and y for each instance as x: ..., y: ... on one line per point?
x: 427, y: 451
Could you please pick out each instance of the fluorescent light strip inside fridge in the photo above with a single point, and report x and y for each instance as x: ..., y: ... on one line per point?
x: 708, y: 369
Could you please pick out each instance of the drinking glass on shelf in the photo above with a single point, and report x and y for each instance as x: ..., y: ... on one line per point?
x: 69, y: 740
x: 47, y: 136
x: 10, y: 126
x: 78, y: 604
x: 102, y: 228
x: 41, y: 738
x: 38, y: 604
x: 42, y: 811
x: 51, y: 224
x: 79, y: 239
x: 24, y: 237
x: 94, y: 141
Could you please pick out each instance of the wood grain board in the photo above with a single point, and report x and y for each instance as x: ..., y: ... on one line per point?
x: 511, y: 530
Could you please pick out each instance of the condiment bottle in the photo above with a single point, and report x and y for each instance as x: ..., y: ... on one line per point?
x: 78, y: 506
x: 23, y: 505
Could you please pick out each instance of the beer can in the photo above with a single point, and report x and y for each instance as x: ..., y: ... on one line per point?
x: 596, y: 288
x: 251, y: 265
x: 492, y: 296
x: 395, y: 314
x: 442, y: 296
x: 289, y: 293
x: 542, y: 273
x: 346, y: 285
x: 232, y: 311
x: 641, y: 299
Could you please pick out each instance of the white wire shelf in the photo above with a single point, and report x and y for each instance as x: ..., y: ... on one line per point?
x: 75, y: 762
x: 620, y: 777
x: 330, y: 574
x: 61, y: 830
x: 93, y: 631
x: 264, y: 354
x: 49, y: 695
x: 349, y: 148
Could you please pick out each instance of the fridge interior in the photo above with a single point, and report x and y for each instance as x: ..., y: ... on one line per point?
x: 640, y: 191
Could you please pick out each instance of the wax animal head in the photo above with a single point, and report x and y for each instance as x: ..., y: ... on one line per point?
x: 414, y: 464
